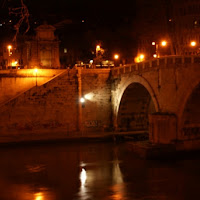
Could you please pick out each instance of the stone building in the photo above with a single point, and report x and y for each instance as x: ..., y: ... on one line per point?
x: 41, y: 50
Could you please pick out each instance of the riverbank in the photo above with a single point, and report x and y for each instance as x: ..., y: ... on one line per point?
x: 177, y: 150
x: 55, y: 136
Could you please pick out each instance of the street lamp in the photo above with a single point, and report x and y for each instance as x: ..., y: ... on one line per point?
x: 140, y: 58
x: 98, y: 48
x: 9, y: 48
x: 82, y: 101
x: 156, y: 53
x: 116, y: 56
x: 193, y: 43
x: 163, y: 43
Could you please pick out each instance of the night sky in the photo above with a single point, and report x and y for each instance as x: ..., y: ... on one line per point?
x: 83, y: 24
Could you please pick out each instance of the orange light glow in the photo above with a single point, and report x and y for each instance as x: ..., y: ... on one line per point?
x: 116, y: 56
x: 39, y: 196
x: 98, y: 48
x: 140, y: 58
x: 14, y: 64
x: 9, y: 47
x: 193, y: 43
x: 164, y: 43
x: 153, y: 43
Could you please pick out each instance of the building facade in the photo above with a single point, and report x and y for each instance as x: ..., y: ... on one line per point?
x: 41, y: 51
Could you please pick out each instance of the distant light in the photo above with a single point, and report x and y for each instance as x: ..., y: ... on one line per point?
x: 163, y: 43
x: 35, y: 70
x: 116, y: 56
x: 9, y: 47
x: 82, y: 100
x: 83, y: 21
x: 10, y: 20
x: 98, y: 47
x: 141, y: 56
x: 193, y: 43
x: 1, y: 24
x: 91, y: 61
x: 153, y: 43
x: 155, y: 55
x: 14, y: 64
x: 65, y: 50
x: 170, y: 20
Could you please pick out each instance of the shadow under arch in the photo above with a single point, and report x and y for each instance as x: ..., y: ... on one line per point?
x: 189, y: 115
x: 135, y: 105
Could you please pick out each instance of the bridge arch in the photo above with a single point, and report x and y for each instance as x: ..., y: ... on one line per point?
x: 136, y: 99
x: 189, y: 114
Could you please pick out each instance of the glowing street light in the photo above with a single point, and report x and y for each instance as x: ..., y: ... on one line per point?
x: 98, y: 47
x: 82, y: 100
x: 155, y: 55
x: 116, y: 56
x: 193, y: 43
x: 140, y: 58
x: 9, y: 48
x: 164, y: 43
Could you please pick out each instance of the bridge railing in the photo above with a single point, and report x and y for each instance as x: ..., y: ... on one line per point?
x: 159, y: 62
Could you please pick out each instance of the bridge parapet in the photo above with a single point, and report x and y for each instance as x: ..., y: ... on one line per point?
x: 156, y: 63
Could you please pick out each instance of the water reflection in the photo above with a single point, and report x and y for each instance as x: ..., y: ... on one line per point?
x: 39, y: 196
x: 83, y: 177
x: 83, y: 189
x: 93, y: 171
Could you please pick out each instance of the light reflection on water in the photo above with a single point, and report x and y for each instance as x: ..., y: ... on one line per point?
x: 93, y: 172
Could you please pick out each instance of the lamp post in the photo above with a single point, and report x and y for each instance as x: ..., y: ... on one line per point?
x: 9, y: 48
x: 116, y: 58
x: 163, y: 43
x: 98, y: 49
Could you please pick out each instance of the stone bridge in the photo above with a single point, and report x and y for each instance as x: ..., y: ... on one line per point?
x: 159, y: 96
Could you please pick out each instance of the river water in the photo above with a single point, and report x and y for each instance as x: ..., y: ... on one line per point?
x: 94, y: 171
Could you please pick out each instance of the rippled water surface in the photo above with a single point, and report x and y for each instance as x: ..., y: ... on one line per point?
x: 98, y: 171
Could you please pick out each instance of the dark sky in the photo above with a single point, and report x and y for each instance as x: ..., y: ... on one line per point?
x: 107, y: 21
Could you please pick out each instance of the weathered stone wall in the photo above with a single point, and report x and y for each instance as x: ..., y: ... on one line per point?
x: 15, y: 82
x: 50, y: 106
x: 96, y: 89
x: 55, y: 105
